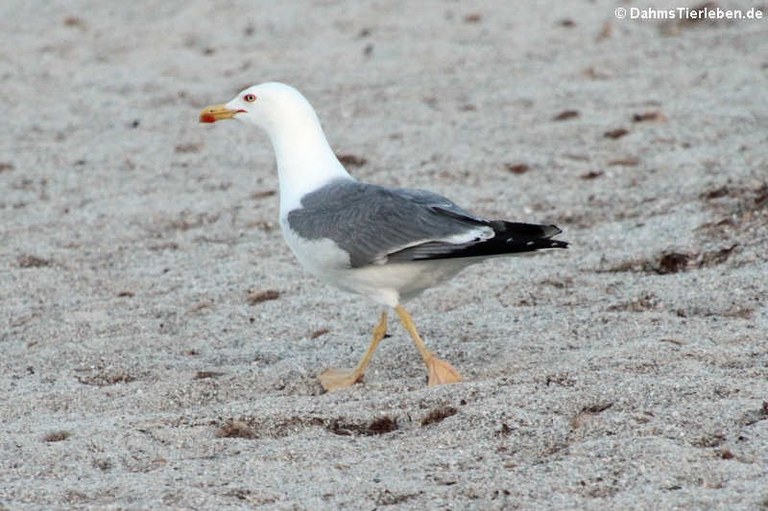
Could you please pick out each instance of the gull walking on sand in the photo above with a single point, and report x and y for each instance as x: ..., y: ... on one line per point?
x: 388, y: 244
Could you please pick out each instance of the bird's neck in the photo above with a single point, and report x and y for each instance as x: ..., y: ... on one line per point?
x: 305, y: 160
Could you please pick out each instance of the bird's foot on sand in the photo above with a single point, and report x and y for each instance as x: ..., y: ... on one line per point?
x: 335, y: 379
x: 441, y: 372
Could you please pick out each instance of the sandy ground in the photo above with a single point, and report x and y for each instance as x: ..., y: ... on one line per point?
x: 160, y: 344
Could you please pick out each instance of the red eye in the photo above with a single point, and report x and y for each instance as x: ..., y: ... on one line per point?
x: 249, y: 98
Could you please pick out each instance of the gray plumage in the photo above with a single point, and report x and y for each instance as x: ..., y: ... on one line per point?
x: 370, y: 221
x: 376, y: 225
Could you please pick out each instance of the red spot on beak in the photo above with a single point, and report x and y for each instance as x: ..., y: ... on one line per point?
x: 207, y: 118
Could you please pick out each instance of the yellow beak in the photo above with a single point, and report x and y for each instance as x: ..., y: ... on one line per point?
x: 215, y: 113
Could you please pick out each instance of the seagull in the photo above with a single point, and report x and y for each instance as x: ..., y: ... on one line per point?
x: 388, y: 244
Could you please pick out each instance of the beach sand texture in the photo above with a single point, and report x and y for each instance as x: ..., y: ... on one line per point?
x: 160, y: 344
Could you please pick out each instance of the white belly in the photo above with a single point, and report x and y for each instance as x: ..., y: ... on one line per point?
x: 387, y: 284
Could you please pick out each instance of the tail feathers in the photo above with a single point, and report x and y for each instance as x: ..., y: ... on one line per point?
x: 510, y: 238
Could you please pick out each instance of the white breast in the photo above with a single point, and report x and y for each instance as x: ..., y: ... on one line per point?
x: 319, y: 257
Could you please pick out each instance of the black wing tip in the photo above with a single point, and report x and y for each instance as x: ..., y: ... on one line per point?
x: 533, y: 245
x: 551, y: 231
x: 511, y: 238
x: 558, y: 244
x: 523, y: 237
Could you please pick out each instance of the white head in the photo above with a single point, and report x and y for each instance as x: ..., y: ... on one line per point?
x: 269, y: 105
x: 305, y: 161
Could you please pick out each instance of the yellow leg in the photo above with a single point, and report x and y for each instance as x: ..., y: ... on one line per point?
x: 440, y: 371
x: 333, y: 379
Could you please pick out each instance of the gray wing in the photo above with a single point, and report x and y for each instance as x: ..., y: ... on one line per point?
x: 370, y: 222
